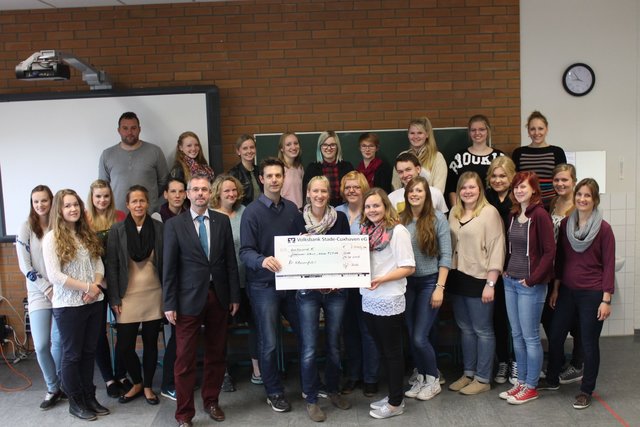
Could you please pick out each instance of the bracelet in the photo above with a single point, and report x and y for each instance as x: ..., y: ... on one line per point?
x: 606, y: 302
x: 88, y: 286
x: 438, y: 285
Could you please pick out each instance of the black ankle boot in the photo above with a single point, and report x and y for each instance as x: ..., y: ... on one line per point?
x: 78, y: 409
x: 93, y: 405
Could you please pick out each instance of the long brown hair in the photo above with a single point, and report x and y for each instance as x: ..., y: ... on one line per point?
x: 180, y: 161
x: 97, y: 221
x: 426, y: 235
x: 66, y: 244
x: 297, y: 162
x: 34, y: 218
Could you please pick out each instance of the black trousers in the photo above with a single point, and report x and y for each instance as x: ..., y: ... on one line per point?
x: 79, y: 327
x: 584, y: 305
x: 387, y: 332
x: 126, y: 347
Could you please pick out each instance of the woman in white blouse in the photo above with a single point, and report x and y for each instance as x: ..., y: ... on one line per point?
x: 72, y: 260
x: 383, y: 304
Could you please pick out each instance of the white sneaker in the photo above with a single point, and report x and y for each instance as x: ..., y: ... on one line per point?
x: 380, y: 403
x: 416, y: 387
x: 387, y: 411
x: 513, y: 376
x: 430, y: 390
x: 511, y: 392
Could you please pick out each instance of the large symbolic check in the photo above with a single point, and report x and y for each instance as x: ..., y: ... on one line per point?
x: 323, y: 261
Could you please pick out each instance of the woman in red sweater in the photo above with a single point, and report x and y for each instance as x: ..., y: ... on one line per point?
x: 585, y: 268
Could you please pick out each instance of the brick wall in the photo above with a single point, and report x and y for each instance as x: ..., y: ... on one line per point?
x: 302, y: 65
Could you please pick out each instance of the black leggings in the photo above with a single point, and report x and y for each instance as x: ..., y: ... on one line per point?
x: 387, y: 333
x: 126, y: 347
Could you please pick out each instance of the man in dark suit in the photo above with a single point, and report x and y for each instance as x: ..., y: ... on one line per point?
x: 201, y: 286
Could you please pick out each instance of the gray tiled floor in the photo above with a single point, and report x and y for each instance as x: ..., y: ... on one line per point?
x: 616, y: 402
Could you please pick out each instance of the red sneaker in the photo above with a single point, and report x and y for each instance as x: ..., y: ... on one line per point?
x: 525, y: 395
x: 511, y: 392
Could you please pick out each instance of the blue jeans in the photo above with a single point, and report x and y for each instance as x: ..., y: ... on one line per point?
x: 524, y: 308
x: 584, y: 305
x: 46, y: 340
x: 79, y: 329
x: 267, y: 304
x: 360, y: 348
x: 309, y: 303
x: 475, y: 320
x: 420, y: 317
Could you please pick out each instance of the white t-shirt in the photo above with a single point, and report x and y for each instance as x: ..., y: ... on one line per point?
x: 397, y: 200
x: 388, y: 298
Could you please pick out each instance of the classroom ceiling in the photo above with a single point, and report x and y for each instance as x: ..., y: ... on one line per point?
x: 59, y: 4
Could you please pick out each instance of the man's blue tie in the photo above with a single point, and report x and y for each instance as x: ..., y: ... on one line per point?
x: 202, y: 232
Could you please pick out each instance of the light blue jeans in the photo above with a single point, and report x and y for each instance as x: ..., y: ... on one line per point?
x: 475, y: 320
x: 46, y: 339
x: 524, y: 308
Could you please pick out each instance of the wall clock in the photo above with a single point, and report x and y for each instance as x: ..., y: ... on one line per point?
x: 578, y: 79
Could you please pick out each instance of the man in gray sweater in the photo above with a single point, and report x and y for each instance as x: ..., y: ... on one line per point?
x: 133, y: 162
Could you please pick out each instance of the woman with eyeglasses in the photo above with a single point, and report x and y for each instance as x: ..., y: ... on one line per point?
x: 330, y: 164
x: 363, y: 359
x: 377, y: 171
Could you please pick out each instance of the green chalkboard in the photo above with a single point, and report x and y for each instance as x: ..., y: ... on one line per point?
x: 392, y: 142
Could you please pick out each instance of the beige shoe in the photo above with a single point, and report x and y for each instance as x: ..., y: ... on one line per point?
x: 475, y: 387
x: 461, y: 383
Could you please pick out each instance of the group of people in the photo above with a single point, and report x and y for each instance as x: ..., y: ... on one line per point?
x: 521, y: 236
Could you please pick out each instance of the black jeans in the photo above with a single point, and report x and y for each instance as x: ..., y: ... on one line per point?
x: 387, y: 332
x: 126, y: 347
x: 79, y: 328
x: 584, y: 305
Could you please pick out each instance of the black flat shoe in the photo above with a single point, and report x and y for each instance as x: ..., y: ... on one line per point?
x: 153, y: 401
x: 125, y: 399
x: 114, y: 390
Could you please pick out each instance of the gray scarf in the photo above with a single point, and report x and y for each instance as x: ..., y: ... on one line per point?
x: 581, y: 238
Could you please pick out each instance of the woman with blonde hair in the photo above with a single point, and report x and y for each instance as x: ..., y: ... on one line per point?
x: 363, y: 359
x: 290, y: 152
x: 422, y: 143
x: 499, y: 176
x: 246, y: 171
x: 383, y: 303
x: 101, y: 215
x: 328, y: 163
x: 189, y: 158
x: 320, y: 218
x: 72, y: 254
x: 477, y: 237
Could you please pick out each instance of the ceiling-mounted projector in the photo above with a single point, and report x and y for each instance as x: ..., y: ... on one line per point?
x: 52, y: 65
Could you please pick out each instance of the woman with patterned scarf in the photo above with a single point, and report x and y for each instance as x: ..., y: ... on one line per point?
x: 189, y: 159
x: 383, y: 304
x: 321, y: 218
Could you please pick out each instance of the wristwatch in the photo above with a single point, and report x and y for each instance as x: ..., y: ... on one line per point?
x: 490, y: 283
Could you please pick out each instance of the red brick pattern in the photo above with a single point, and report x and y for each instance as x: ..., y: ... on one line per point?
x: 301, y: 65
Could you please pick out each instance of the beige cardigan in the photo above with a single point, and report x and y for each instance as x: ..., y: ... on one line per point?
x: 479, y: 245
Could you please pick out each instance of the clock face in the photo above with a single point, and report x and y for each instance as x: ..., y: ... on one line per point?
x: 579, y: 79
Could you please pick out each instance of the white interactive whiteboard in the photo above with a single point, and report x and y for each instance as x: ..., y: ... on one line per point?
x: 57, y: 139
